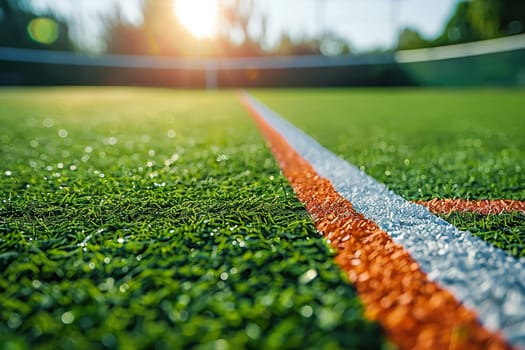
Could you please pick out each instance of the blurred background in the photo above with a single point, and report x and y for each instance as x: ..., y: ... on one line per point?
x: 242, y: 43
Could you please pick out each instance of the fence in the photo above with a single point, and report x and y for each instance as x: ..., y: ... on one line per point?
x: 496, y: 62
x: 492, y: 62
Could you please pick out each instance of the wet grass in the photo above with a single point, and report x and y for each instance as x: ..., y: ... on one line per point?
x: 147, y: 218
x: 422, y: 144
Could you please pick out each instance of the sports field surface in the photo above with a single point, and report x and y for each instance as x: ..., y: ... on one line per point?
x: 426, y: 144
x: 153, y: 218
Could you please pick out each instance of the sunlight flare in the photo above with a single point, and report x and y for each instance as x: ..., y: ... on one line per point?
x: 198, y: 16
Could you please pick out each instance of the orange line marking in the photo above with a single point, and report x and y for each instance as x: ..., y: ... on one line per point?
x: 415, y: 312
x: 485, y: 207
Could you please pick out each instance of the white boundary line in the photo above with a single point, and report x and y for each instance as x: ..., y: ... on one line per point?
x: 483, y: 277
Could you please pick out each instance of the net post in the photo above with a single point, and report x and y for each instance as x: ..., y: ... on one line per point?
x: 212, y: 78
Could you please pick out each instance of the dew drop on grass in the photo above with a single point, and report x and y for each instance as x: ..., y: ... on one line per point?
x: 308, y: 276
x: 224, y: 276
x: 48, y: 123
x: 14, y: 321
x: 107, y: 260
x: 253, y: 331
x: 171, y: 133
x: 307, y: 311
x: 124, y: 288
x: 222, y: 157
x: 67, y: 317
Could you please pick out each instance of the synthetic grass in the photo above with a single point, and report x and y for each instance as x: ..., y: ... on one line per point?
x: 415, y: 312
x: 422, y: 144
x: 506, y: 231
x: 146, y: 218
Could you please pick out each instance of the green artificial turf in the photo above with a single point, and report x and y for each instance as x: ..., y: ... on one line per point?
x: 148, y: 218
x: 506, y: 231
x: 423, y: 143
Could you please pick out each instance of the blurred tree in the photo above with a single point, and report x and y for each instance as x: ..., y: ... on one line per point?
x: 304, y: 46
x: 459, y: 28
x: 472, y: 20
x: 327, y: 44
x: 21, y: 27
x: 160, y: 33
x: 242, y: 28
x: 493, y: 18
x: 410, y: 38
x: 241, y: 32
x: 332, y: 44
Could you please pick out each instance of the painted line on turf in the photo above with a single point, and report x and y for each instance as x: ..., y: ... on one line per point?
x: 485, y: 206
x: 416, y: 312
x: 481, y: 276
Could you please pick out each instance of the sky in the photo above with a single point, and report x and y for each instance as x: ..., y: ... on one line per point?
x: 366, y: 24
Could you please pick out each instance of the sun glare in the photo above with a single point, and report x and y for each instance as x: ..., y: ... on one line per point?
x: 198, y: 16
